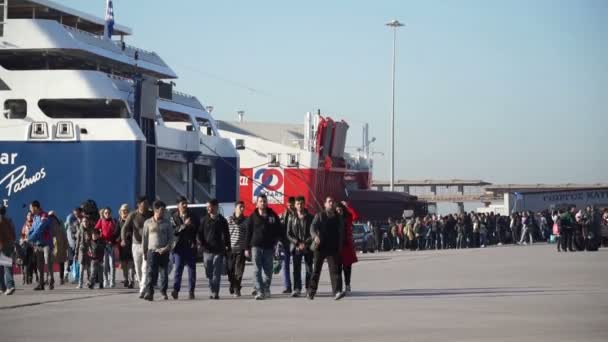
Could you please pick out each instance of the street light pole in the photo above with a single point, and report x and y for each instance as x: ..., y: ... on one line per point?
x: 394, y: 24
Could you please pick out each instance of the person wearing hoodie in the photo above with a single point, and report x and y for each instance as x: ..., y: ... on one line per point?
x: 42, y: 239
x: 263, y: 232
x: 298, y: 233
x: 214, y: 237
x: 7, y: 247
x: 327, y: 230
x: 237, y: 224
x: 184, y: 252
x: 96, y: 253
x: 108, y: 228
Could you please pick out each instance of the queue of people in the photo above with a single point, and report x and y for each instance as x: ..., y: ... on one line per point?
x: 149, y: 243
x: 571, y: 229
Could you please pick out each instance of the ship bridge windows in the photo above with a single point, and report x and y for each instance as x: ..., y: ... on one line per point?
x: 84, y: 108
x: 15, y: 109
x: 205, y: 126
x: 177, y: 120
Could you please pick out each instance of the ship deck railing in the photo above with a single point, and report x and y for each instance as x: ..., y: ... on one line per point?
x: 115, y: 46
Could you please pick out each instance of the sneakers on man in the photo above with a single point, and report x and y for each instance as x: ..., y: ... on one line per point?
x: 10, y: 291
x: 237, y: 293
x: 295, y: 294
x: 254, y: 293
x: 191, y: 295
x: 216, y: 296
x: 287, y: 291
x: 174, y: 294
x: 310, y: 295
x: 339, y: 295
x: 259, y: 297
x: 149, y: 297
x: 142, y: 295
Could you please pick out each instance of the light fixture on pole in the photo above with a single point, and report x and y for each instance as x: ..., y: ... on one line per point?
x: 395, y: 24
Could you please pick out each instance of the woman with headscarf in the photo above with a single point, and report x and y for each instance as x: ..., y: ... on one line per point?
x: 349, y: 255
x: 125, y: 255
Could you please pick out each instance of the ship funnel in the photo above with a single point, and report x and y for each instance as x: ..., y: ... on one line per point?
x: 240, y: 113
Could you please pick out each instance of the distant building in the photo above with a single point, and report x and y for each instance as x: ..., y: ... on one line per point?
x: 542, y: 197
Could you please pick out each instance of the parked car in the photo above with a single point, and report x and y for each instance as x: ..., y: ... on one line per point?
x: 363, y: 238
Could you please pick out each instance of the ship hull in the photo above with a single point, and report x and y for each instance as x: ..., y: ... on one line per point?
x: 279, y: 184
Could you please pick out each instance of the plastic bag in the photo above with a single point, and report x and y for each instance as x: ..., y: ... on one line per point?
x: 276, y: 266
x: 75, y: 274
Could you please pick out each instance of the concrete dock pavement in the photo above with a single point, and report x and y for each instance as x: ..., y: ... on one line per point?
x: 520, y: 293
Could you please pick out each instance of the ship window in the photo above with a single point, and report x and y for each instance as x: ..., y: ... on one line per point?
x: 176, y: 120
x: 84, y: 108
x: 205, y: 126
x: 15, y: 109
x: 171, y: 116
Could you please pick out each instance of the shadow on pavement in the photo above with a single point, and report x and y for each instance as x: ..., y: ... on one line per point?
x: 480, y: 292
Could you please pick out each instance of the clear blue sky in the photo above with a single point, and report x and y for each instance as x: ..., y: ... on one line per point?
x: 505, y: 91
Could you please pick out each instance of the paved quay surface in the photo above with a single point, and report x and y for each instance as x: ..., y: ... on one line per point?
x: 527, y: 293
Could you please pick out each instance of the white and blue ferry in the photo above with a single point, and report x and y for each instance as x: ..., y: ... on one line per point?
x: 87, y: 116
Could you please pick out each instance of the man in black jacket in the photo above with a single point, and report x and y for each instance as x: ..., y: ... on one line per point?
x: 214, y: 237
x: 285, y: 244
x: 184, y: 251
x: 328, y: 235
x: 298, y: 233
x: 263, y: 232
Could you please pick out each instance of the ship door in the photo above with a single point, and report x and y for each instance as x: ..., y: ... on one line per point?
x: 3, y: 11
x: 146, y: 94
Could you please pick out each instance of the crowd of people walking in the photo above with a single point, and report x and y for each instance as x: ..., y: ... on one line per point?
x: 149, y: 243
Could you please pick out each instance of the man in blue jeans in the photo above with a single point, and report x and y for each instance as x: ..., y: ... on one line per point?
x: 7, y: 246
x: 40, y: 236
x: 184, y: 253
x: 298, y: 233
x: 214, y: 237
x: 284, y: 245
x: 263, y: 232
